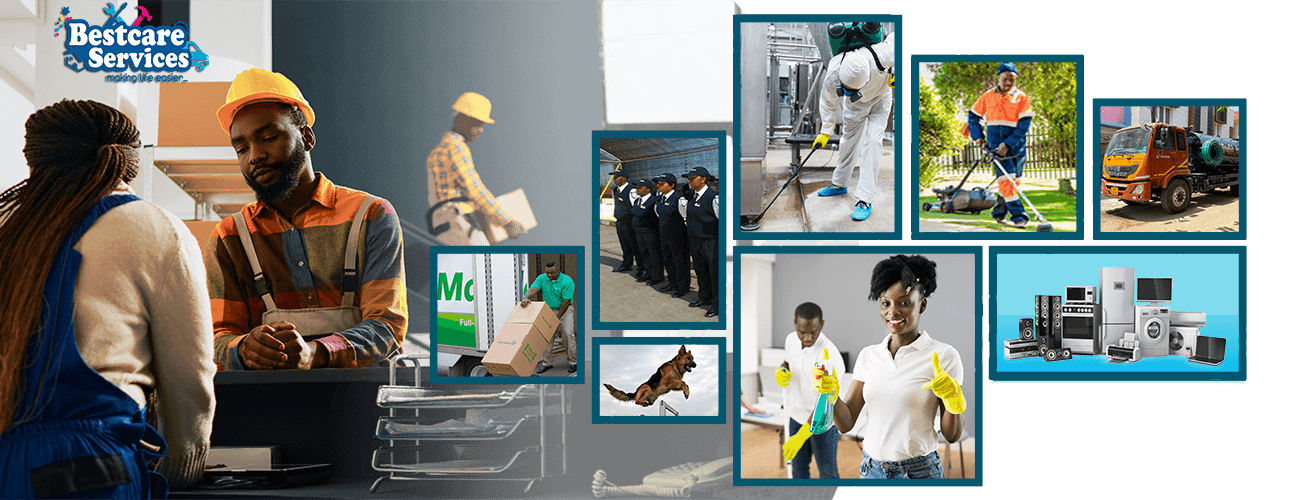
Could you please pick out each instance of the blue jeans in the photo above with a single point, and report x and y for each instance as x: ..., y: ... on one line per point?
x: 925, y: 467
x: 823, y: 447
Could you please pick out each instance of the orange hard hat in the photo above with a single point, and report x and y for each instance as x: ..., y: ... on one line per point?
x: 261, y: 85
x: 475, y: 106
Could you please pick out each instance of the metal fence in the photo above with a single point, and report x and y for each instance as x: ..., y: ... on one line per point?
x: 1045, y: 159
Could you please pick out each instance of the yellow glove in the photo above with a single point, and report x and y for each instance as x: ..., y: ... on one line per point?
x: 825, y: 384
x: 946, y: 388
x: 820, y: 141
x: 782, y: 377
x: 891, y: 80
x: 792, y: 446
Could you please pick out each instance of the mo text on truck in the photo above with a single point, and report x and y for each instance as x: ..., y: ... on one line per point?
x: 1167, y: 164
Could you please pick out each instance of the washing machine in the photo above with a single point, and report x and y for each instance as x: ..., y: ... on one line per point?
x: 1152, y: 330
x: 1181, y: 340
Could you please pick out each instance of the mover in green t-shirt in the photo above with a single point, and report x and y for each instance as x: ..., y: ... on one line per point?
x: 558, y: 291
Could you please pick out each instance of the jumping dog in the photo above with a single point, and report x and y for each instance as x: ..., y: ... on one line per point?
x: 669, y: 377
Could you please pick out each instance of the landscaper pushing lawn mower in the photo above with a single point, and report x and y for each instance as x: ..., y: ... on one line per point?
x: 999, y: 121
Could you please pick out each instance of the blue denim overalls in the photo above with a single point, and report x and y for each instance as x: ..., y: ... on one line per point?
x: 83, y: 441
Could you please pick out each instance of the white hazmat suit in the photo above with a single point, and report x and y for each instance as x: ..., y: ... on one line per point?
x: 864, y: 119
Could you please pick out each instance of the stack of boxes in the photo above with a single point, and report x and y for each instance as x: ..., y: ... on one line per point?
x: 522, y: 341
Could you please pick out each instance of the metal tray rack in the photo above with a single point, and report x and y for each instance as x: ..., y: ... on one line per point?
x: 416, y: 457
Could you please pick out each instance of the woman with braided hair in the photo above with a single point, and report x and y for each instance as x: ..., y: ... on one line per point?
x: 105, y: 308
x: 909, y: 379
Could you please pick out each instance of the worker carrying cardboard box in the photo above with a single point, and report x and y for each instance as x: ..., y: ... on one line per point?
x: 558, y: 291
x: 463, y: 210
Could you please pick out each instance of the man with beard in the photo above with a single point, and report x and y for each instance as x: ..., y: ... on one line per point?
x: 310, y: 275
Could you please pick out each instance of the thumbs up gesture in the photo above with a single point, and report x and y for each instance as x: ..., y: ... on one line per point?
x: 945, y: 387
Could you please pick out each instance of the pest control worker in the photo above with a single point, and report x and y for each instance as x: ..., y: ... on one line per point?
x: 309, y: 275
x: 104, y: 307
x: 704, y: 224
x: 804, y: 349
x: 463, y: 209
x: 558, y: 292
x: 645, y: 230
x: 622, y: 197
x: 671, y: 210
x: 1006, y: 113
x: 857, y: 88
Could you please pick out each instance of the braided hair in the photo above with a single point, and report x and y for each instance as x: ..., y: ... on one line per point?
x: 77, y: 152
x: 911, y: 270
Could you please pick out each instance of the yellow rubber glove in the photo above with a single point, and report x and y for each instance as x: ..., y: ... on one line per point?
x: 792, y: 446
x: 820, y: 141
x: 946, y: 388
x: 782, y: 376
x: 826, y: 384
x: 891, y: 80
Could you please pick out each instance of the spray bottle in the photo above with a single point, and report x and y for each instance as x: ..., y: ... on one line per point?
x: 823, y: 416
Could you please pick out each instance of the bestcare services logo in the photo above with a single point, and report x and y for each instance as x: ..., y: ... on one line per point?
x: 119, y: 47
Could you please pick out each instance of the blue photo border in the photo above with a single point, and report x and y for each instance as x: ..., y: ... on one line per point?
x: 917, y: 233
x: 596, y: 316
x: 1239, y: 375
x: 1096, y: 169
x: 580, y: 336
x: 897, y: 233
x: 720, y: 344
x: 979, y: 377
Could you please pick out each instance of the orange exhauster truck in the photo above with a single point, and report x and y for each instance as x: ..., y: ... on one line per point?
x: 1158, y: 162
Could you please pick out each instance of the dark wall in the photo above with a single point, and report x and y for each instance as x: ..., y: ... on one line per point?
x: 382, y: 77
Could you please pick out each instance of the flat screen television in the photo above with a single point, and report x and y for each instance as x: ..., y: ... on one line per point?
x: 1154, y: 290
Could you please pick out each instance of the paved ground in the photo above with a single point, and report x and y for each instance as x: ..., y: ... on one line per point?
x: 621, y: 299
x: 815, y: 213
x: 1217, y: 212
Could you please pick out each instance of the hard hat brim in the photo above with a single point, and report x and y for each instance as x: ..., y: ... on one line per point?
x: 229, y: 110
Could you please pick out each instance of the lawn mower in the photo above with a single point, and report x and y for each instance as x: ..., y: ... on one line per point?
x: 951, y: 199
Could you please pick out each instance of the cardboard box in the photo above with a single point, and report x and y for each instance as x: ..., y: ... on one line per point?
x: 517, y: 206
x: 516, y: 350
x: 538, y: 314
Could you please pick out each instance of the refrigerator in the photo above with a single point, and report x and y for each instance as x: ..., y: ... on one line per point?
x: 1117, y: 304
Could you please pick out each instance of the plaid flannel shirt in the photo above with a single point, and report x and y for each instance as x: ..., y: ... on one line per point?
x: 454, y: 175
x: 302, y: 262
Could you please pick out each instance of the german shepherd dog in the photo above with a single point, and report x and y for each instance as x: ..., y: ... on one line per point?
x: 669, y: 377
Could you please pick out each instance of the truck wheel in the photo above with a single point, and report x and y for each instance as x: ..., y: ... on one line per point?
x: 470, y: 366
x: 1235, y: 190
x: 1176, y: 197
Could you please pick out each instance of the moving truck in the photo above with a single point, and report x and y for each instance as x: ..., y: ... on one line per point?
x: 473, y: 295
x: 1158, y: 162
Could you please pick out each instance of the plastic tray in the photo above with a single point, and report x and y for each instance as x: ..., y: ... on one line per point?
x: 395, y: 396
x: 385, y: 461
x: 454, y: 433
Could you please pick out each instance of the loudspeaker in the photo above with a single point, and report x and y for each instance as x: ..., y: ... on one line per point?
x: 1062, y: 354
x: 1026, y: 329
x: 1047, y: 325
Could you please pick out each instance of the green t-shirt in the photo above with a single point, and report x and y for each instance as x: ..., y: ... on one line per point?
x: 555, y: 292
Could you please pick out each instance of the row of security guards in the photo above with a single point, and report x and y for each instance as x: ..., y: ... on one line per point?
x: 663, y: 231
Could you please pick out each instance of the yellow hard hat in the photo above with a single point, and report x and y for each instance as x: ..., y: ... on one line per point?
x: 260, y: 85
x: 474, y: 106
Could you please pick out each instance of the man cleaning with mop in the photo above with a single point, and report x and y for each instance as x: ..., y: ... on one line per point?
x: 1006, y: 113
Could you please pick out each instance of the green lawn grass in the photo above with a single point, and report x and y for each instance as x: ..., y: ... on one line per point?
x: 1057, y: 208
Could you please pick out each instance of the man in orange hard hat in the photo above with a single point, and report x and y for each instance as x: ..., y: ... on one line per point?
x: 311, y: 274
x: 463, y: 209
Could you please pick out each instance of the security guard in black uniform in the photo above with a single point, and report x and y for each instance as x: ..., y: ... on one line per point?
x: 671, y: 209
x: 621, y: 196
x: 645, y: 228
x: 704, y: 223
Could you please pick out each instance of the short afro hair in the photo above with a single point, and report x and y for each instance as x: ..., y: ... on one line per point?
x: 911, y: 270
x: 808, y: 310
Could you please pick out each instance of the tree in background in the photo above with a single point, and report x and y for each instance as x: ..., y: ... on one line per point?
x: 937, y: 132
x: 1051, y: 85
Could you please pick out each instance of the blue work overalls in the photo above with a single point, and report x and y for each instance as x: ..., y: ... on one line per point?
x: 83, y: 442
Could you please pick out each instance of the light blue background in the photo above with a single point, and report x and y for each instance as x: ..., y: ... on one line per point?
x: 1207, y: 283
